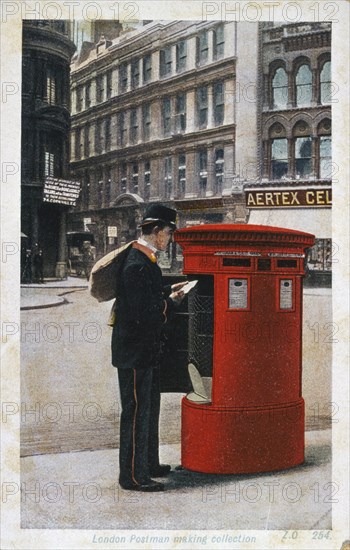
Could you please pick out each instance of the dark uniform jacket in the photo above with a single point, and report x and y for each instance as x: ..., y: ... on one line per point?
x: 142, y: 307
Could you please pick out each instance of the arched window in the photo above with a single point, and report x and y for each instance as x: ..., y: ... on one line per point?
x: 303, y: 83
x: 302, y: 150
x: 279, y: 152
x: 280, y: 89
x: 325, y: 83
x: 325, y: 149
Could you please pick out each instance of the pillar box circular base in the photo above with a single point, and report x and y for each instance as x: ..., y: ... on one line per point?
x: 241, y: 441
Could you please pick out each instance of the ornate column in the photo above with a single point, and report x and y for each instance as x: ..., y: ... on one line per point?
x: 291, y: 90
x: 61, y: 265
x: 315, y: 86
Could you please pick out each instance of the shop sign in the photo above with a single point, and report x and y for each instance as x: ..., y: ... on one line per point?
x: 289, y: 199
x: 112, y: 231
x: 59, y: 191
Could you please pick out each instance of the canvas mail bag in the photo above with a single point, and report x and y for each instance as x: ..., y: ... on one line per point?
x: 104, y: 274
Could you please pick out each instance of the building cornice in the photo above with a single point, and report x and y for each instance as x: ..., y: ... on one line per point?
x: 142, y: 42
x: 48, y: 42
x: 287, y: 184
x: 292, y: 111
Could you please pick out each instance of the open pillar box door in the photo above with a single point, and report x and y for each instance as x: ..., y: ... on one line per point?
x: 245, y: 337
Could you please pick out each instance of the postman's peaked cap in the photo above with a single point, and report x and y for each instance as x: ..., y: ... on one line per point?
x: 159, y: 213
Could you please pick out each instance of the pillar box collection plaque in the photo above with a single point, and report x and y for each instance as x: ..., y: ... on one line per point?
x: 245, y: 339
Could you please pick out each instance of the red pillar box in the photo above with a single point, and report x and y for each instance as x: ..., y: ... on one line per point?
x: 245, y: 338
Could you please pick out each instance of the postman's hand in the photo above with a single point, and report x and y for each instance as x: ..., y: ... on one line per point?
x: 178, y: 286
x: 177, y: 296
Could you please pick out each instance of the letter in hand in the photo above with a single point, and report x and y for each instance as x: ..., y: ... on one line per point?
x: 177, y: 294
x: 180, y: 289
x: 178, y: 286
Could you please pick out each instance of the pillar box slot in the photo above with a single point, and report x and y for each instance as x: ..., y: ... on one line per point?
x: 245, y: 319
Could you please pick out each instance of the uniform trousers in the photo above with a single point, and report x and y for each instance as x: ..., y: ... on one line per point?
x: 139, y: 424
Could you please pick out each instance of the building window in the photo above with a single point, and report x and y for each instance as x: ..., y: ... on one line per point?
x: 303, y: 83
x: 166, y: 116
x: 218, y: 103
x: 325, y: 83
x: 147, y: 188
x: 165, y: 65
x: 279, y: 158
x: 202, y: 106
x: 182, y: 176
x: 108, y: 187
x: 180, y: 113
x: 219, y: 42
x: 77, y: 143
x: 87, y: 140
x: 79, y: 99
x: 325, y: 157
x: 181, y: 56
x: 168, y: 182
x: 98, y: 137
x: 146, y: 121
x: 280, y: 89
x: 123, y: 77
x: 319, y: 257
x: 135, y: 178
x: 219, y: 171
x: 86, y: 190
x: 203, y: 172
x: 303, y: 157
x: 52, y: 158
x: 100, y: 187
x: 325, y: 149
x: 88, y: 95
x: 109, y: 84
x: 147, y: 68
x: 51, y: 86
x: 135, y: 73
x: 123, y: 130
x: 49, y: 169
x: 108, y: 192
x: 134, y: 130
x: 107, y: 133
x: 100, y: 88
x: 123, y: 177
x: 202, y: 48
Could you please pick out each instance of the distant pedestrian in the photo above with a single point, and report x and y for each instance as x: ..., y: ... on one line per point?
x: 39, y: 266
x: 27, y: 267
x: 88, y: 259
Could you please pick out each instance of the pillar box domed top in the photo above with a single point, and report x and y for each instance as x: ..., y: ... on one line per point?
x: 204, y: 246
x: 232, y: 234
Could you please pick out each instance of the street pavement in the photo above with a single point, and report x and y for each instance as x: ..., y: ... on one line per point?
x: 70, y: 431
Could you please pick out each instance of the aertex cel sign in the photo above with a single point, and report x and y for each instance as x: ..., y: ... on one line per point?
x: 289, y: 199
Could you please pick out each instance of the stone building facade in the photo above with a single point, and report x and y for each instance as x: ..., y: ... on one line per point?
x: 163, y: 113
x: 294, y: 188
x: 47, y: 52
